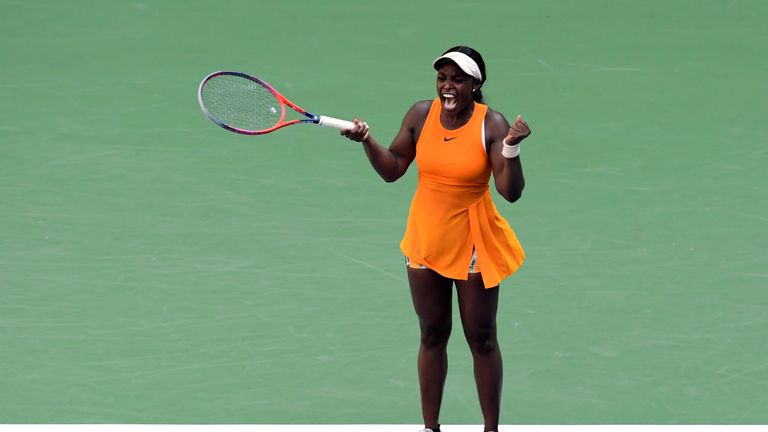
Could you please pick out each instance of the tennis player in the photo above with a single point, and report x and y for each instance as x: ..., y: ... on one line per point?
x: 455, y: 235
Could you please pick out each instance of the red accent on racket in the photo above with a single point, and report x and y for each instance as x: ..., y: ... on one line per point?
x: 244, y: 104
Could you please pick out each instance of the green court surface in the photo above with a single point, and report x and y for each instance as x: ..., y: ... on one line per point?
x: 155, y: 268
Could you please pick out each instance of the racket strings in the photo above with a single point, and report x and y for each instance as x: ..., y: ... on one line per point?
x: 241, y: 103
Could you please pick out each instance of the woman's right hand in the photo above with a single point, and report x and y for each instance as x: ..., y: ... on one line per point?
x: 359, y: 132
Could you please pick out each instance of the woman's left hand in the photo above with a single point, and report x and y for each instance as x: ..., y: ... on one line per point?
x: 518, y: 132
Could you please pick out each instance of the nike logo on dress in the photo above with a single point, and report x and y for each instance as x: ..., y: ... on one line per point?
x: 449, y: 138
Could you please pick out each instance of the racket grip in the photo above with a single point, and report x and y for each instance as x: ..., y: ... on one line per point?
x: 334, y: 122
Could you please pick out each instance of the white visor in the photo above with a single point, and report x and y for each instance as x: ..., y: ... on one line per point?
x: 464, y: 61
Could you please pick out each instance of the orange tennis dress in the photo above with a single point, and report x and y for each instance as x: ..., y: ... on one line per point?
x: 452, y: 212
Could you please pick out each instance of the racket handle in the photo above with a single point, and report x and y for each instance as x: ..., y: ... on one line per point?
x: 334, y: 122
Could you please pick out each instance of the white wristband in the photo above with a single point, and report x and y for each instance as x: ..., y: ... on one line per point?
x: 510, y: 151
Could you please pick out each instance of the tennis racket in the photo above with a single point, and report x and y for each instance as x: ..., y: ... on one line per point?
x: 247, y: 105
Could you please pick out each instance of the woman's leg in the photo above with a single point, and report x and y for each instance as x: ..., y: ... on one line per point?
x: 477, y: 307
x: 431, y: 294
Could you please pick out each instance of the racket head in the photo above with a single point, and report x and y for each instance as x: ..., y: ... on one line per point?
x: 242, y: 103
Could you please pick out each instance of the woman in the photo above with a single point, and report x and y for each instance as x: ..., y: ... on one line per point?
x: 454, y: 233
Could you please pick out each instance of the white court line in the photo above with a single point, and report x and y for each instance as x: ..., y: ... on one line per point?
x: 374, y: 428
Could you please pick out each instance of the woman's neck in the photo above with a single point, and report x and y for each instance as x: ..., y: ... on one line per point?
x: 455, y: 120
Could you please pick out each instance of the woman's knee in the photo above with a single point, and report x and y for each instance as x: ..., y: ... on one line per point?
x: 482, y: 340
x: 435, y: 335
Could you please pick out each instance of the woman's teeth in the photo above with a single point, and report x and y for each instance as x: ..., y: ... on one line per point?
x: 449, y: 100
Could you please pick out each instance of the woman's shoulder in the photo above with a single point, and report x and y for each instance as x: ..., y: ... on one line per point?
x: 496, y: 124
x: 494, y: 116
x: 422, y: 106
x: 419, y: 111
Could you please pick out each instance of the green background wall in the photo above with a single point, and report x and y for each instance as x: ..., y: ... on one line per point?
x: 157, y: 269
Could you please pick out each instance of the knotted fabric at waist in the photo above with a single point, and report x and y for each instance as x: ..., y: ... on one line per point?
x: 447, y: 221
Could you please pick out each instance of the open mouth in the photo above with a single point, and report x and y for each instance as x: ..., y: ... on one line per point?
x: 449, y: 101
